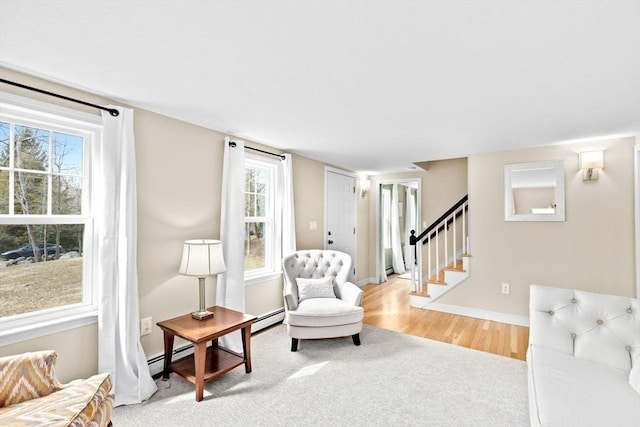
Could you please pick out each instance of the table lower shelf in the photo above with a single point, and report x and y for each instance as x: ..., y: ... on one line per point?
x: 218, y: 362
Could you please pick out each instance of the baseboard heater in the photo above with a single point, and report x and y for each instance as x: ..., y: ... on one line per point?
x: 156, y: 363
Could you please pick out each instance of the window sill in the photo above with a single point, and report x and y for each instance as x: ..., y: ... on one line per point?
x: 17, y: 331
x: 254, y: 280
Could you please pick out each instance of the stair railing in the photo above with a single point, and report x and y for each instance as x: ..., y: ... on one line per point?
x: 431, y: 235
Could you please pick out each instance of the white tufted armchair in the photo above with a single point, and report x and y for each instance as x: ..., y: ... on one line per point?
x: 319, y: 300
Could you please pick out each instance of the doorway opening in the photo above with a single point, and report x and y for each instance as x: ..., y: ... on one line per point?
x: 398, y: 206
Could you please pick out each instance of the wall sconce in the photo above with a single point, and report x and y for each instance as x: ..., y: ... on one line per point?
x: 365, y: 184
x: 590, y: 162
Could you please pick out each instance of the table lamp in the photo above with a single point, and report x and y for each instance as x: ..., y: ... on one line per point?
x: 202, y: 258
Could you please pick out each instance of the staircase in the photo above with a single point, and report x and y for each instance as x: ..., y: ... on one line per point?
x: 446, y: 243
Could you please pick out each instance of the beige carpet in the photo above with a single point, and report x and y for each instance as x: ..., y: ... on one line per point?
x: 390, y: 380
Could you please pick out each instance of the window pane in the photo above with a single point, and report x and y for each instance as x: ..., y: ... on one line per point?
x: 67, y: 153
x: 31, y: 148
x: 30, y: 193
x: 248, y: 205
x: 27, y: 286
x: 249, y: 184
x: 260, y: 205
x: 4, y: 192
x: 4, y: 144
x: 66, y: 195
x: 254, y: 246
x: 262, y: 179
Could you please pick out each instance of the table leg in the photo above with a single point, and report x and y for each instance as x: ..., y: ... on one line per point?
x: 168, y: 353
x: 246, y: 348
x: 200, y: 357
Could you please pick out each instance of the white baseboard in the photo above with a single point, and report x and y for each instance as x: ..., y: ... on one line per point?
x: 361, y: 283
x: 478, y: 313
x: 156, y: 362
x: 268, y: 319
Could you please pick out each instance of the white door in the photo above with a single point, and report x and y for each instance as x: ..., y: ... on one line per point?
x: 340, y: 213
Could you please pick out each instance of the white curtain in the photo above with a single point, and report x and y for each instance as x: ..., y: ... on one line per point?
x: 396, y: 244
x: 288, y: 216
x: 409, y: 223
x: 120, y: 352
x: 385, y: 208
x: 230, y: 286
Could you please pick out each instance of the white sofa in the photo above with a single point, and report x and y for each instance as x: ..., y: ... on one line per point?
x: 583, y: 357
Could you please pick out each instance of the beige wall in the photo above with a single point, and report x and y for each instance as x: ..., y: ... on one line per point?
x: 592, y: 250
x: 77, y: 351
x: 179, y: 176
x: 308, y: 190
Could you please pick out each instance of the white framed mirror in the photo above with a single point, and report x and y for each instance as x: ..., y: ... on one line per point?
x: 534, y: 191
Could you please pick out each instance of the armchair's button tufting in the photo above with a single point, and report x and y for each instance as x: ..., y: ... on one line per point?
x: 628, y: 348
x: 574, y: 300
x: 573, y: 336
x: 600, y: 322
x: 551, y: 312
x: 629, y: 310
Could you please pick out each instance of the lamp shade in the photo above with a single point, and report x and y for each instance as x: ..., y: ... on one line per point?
x: 202, y: 258
x: 591, y: 160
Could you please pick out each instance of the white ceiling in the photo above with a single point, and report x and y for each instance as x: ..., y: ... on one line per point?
x: 368, y: 86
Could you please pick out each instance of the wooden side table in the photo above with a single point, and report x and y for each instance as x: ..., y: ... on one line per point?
x: 207, y: 364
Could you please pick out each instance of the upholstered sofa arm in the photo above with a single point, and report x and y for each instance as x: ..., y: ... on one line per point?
x: 351, y: 293
x: 27, y: 376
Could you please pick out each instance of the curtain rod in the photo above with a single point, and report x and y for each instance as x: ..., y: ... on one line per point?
x: 112, y: 111
x: 233, y: 144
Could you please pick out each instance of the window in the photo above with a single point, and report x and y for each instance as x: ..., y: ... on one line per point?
x: 46, y: 228
x: 261, y: 253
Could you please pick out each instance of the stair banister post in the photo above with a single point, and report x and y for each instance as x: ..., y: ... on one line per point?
x: 412, y: 259
x: 455, y: 238
x: 437, y: 252
x: 429, y: 255
x: 446, y: 243
x: 464, y: 229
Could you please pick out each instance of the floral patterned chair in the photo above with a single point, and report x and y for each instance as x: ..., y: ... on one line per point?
x: 31, y: 395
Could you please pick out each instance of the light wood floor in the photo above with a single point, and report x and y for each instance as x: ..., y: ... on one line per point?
x: 387, y: 306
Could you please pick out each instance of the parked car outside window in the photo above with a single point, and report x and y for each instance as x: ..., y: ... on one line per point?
x: 27, y: 251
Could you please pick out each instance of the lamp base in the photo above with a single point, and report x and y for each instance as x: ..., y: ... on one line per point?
x: 201, y: 315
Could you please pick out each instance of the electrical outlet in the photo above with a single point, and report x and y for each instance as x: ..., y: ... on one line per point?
x: 506, y: 288
x: 145, y: 326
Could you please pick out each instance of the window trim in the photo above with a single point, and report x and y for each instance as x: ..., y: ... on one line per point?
x: 274, y: 270
x: 27, y: 326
